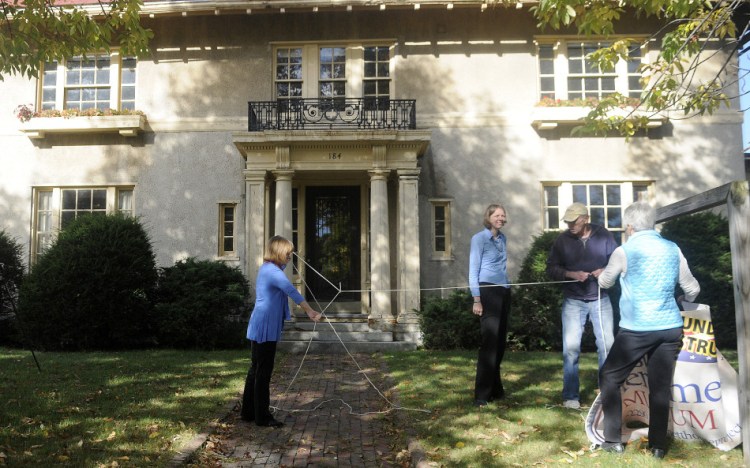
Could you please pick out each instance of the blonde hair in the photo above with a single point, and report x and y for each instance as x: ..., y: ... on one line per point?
x: 488, y: 212
x: 277, y: 250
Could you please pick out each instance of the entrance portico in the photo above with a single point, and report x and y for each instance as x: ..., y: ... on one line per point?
x: 378, y: 170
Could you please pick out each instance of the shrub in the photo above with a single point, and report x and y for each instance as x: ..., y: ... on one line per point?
x: 11, y: 276
x: 449, y: 323
x: 92, y: 288
x: 535, y: 322
x: 704, y: 240
x: 201, y: 304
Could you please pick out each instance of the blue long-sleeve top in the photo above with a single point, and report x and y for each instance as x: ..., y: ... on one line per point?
x: 271, y: 305
x: 487, y: 260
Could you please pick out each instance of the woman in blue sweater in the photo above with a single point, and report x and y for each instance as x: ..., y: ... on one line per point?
x: 649, y: 268
x: 488, y: 281
x: 272, y: 288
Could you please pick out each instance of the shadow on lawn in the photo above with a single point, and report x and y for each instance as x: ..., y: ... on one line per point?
x: 89, y: 408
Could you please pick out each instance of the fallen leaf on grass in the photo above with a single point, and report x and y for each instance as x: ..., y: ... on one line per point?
x: 153, y: 435
x: 111, y: 436
x: 460, y: 445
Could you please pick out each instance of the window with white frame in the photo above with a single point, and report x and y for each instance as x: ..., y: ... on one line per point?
x: 227, y: 229
x: 377, y: 77
x: 441, y: 228
x: 333, y: 71
x: 96, y: 81
x: 56, y: 207
x: 606, y: 202
x: 566, y: 73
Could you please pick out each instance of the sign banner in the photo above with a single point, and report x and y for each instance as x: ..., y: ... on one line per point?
x: 705, y: 403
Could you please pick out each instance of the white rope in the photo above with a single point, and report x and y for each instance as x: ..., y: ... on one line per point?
x: 362, y: 371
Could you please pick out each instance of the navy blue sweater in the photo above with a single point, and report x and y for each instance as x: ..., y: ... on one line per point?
x: 570, y: 253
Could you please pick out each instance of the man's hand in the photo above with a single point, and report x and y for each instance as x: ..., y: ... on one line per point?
x: 578, y: 275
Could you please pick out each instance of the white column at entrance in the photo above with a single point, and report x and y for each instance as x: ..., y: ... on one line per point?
x: 283, y: 223
x: 380, y: 271
x: 255, y: 234
x: 408, y: 245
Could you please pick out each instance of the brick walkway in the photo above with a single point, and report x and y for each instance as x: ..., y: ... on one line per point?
x: 326, y: 436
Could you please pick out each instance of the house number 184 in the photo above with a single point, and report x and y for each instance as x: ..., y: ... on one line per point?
x: 334, y: 155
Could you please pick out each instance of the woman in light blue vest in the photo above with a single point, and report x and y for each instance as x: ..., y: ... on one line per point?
x: 649, y: 268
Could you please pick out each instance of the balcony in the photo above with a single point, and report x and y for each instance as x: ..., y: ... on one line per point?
x: 324, y: 114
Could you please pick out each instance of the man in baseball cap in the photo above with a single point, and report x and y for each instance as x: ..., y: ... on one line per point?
x: 580, y: 253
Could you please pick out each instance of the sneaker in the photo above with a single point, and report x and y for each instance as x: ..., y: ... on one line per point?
x: 572, y: 404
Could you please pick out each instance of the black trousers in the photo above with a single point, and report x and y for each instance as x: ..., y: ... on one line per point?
x: 661, y: 347
x: 256, y: 397
x: 494, y: 328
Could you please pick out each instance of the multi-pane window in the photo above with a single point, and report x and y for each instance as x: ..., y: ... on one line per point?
x: 334, y: 72
x: 127, y: 97
x: 87, y: 82
x: 377, y: 81
x: 49, y: 86
x: 56, y: 207
x: 97, y: 81
x: 77, y: 202
x: 227, y: 229
x: 43, y: 232
x: 547, y: 71
x: 288, y: 73
x: 567, y: 72
x: 332, y: 78
x: 441, y: 228
x: 585, y: 78
x: 605, y: 201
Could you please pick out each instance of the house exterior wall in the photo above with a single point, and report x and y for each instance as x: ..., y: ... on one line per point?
x: 473, y: 74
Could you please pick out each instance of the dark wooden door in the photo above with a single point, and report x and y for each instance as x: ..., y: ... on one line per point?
x: 332, y: 238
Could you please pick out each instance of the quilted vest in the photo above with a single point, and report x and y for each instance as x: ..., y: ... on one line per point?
x: 653, y: 268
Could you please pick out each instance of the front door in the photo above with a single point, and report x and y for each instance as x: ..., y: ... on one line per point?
x: 332, y: 228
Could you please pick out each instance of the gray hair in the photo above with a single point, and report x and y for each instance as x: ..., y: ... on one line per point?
x: 640, y: 215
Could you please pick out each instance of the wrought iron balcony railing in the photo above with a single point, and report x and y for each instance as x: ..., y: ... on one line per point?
x: 364, y: 113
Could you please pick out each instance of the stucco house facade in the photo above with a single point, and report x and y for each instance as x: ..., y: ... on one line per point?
x: 373, y: 134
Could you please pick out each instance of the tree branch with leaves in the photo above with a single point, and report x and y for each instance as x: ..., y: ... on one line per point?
x: 695, y: 33
x: 36, y: 31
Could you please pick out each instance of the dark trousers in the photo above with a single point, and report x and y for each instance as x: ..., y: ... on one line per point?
x: 661, y: 347
x: 256, y: 397
x: 494, y: 329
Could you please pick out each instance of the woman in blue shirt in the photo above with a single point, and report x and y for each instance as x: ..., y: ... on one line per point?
x: 488, y: 281
x: 272, y: 288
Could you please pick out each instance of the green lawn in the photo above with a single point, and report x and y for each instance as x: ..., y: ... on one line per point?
x: 529, y: 427
x: 139, y: 408
x: 111, y: 409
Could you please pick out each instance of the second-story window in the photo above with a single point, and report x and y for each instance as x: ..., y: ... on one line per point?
x: 332, y: 79
x: 97, y: 81
x: 377, y: 81
x: 288, y: 73
x: 334, y: 72
x: 566, y: 71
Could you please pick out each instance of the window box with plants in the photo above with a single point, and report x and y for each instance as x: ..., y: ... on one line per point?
x: 37, y: 125
x: 549, y: 113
